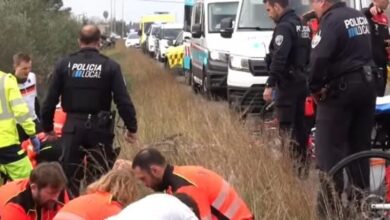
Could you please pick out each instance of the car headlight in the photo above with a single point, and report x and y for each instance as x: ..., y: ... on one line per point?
x: 218, y: 56
x: 239, y: 63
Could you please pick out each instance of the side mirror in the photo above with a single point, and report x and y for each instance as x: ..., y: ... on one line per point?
x: 139, y: 33
x: 226, y: 27
x: 196, y: 30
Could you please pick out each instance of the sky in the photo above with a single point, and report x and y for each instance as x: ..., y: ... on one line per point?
x: 133, y: 9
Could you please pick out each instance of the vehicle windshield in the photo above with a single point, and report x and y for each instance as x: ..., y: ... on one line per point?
x: 254, y: 14
x: 219, y: 11
x: 154, y: 31
x: 171, y: 34
x: 132, y: 36
x: 147, y: 26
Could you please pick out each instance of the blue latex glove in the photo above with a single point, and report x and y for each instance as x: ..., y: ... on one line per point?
x: 36, y: 144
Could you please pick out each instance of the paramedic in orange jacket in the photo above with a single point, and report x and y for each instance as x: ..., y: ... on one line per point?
x: 105, y: 197
x: 37, y: 198
x: 217, y: 200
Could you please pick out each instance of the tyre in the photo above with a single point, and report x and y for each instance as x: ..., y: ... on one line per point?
x: 206, y: 86
x: 194, y: 85
x: 188, y: 77
x: 166, y: 65
x: 358, y: 187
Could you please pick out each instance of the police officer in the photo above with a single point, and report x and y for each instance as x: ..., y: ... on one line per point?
x: 342, y: 83
x: 87, y: 81
x: 289, y: 53
x: 380, y: 37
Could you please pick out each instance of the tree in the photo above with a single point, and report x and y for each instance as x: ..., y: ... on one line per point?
x: 105, y: 15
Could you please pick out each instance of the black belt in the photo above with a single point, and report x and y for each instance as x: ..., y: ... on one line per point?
x: 354, y: 77
x: 81, y: 116
x: 103, y: 119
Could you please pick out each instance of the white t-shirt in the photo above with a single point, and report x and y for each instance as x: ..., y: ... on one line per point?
x: 156, y: 207
x: 29, y: 93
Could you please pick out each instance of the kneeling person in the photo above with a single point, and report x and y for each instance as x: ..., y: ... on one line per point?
x: 37, y: 198
x: 105, y: 197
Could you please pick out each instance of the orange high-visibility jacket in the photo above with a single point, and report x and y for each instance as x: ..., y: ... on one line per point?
x: 216, y: 199
x: 16, y: 202
x: 94, y: 206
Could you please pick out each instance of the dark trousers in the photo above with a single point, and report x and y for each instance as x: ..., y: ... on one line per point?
x: 290, y: 104
x: 343, y: 126
x: 50, y: 151
x: 22, y: 134
x: 87, y: 151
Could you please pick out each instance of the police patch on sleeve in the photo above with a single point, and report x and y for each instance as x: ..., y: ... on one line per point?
x: 316, y: 40
x: 279, y: 40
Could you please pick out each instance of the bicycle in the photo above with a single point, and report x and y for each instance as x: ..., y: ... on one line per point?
x: 363, y: 178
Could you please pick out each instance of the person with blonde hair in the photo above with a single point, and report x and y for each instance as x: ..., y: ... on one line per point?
x: 104, y: 198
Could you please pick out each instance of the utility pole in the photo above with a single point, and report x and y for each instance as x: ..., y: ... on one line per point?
x: 115, y: 16
x: 111, y: 16
x: 123, y: 20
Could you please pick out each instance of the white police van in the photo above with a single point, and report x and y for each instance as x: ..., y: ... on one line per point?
x: 250, y: 35
x: 209, y: 51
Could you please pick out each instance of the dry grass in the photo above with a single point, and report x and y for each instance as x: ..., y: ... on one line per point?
x: 191, y: 130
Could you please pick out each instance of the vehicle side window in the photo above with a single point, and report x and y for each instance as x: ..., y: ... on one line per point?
x: 197, y: 14
x: 158, y: 33
x: 203, y: 19
x: 179, y: 39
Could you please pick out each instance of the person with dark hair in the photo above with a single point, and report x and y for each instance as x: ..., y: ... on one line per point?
x: 38, y: 198
x: 160, y: 206
x: 87, y: 81
x: 27, y: 82
x: 342, y: 83
x: 215, y: 197
x: 380, y: 39
x: 287, y: 62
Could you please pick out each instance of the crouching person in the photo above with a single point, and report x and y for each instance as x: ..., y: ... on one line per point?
x: 37, y: 198
x: 105, y: 197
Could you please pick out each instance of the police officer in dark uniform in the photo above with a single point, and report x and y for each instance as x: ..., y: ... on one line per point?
x: 288, y: 57
x: 87, y: 82
x: 343, y: 85
x: 380, y: 37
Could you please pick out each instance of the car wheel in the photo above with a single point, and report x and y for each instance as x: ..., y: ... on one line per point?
x: 206, y: 87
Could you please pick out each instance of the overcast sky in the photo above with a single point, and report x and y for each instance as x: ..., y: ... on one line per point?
x: 133, y: 9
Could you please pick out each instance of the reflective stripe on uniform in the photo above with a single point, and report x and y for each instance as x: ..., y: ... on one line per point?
x: 222, y: 195
x: 67, y: 216
x: 58, y: 125
x: 208, y: 217
x: 23, y: 118
x: 5, y: 114
x: 17, y: 102
x: 233, y: 208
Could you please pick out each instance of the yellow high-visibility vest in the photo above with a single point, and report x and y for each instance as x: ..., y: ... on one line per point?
x: 13, y: 110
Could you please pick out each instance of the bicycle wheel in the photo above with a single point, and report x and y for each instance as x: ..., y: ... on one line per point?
x: 362, y: 185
